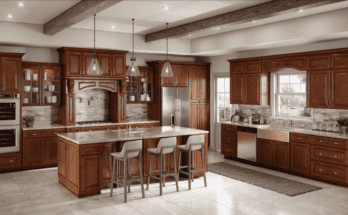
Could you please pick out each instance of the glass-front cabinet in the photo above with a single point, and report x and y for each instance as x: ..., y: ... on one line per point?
x: 41, y: 84
x: 140, y: 88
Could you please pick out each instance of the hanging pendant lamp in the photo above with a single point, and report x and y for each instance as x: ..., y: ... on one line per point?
x: 133, y: 70
x: 167, y: 71
x: 94, y: 68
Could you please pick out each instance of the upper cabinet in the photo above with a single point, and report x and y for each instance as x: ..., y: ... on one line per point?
x: 180, y: 76
x: 140, y: 88
x: 296, y: 62
x: 10, y: 72
x: 75, y: 62
x: 253, y: 66
x: 318, y: 62
x: 199, y: 82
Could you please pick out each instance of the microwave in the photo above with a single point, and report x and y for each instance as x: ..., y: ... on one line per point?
x: 9, y: 138
x: 9, y: 109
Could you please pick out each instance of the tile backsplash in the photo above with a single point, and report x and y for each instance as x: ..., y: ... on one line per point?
x: 44, y: 115
x: 136, y: 111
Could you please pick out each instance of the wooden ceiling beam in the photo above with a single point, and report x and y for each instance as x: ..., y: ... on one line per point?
x: 260, y: 11
x: 77, y: 13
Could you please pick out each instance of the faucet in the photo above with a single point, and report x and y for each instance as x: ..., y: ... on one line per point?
x: 290, y: 123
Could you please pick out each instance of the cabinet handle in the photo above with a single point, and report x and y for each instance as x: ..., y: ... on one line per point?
x: 320, y: 141
x: 55, y: 132
x: 320, y: 154
x: 319, y: 169
x: 228, y: 150
x: 229, y: 128
x: 11, y: 161
x: 16, y: 81
x: 299, y: 138
x: 335, y: 143
x: 33, y: 134
x: 4, y: 84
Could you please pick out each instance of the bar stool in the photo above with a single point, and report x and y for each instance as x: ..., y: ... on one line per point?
x: 194, y: 143
x: 165, y: 146
x: 131, y: 149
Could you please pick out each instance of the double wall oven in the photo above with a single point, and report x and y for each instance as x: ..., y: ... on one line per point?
x: 9, y: 123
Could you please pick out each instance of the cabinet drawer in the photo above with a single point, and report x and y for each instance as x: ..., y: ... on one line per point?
x: 43, y: 133
x: 336, y: 156
x: 9, y: 160
x: 302, y: 138
x: 228, y: 128
x: 329, y: 142
x: 229, y: 138
x: 229, y: 150
x: 327, y: 172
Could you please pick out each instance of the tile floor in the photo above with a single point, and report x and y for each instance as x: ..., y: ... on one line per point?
x: 38, y: 192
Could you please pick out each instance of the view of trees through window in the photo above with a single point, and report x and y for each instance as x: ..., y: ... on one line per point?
x: 291, y: 96
x: 224, y: 108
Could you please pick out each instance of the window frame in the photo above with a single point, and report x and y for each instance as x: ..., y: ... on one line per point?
x: 275, y: 93
x: 217, y: 97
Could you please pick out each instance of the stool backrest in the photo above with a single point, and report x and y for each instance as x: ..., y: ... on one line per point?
x: 171, y: 141
x: 195, y: 139
x: 132, y: 145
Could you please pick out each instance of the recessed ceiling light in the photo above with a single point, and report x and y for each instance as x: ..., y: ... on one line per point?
x: 165, y: 8
x: 113, y: 26
x: 300, y: 10
x: 9, y: 16
x: 20, y: 4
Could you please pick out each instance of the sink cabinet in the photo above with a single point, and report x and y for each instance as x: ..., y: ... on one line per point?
x: 273, y: 153
x: 300, y: 153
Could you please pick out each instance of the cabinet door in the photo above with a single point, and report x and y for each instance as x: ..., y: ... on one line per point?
x: 119, y: 65
x: 53, y: 78
x: 300, y: 159
x: 282, y: 155
x: 264, y: 152
x: 236, y: 68
x: 194, y: 115
x: 339, y: 89
x: 11, y: 68
x: 300, y: 63
x: 86, y: 61
x: 121, y: 103
x: 269, y: 65
x: 253, y: 66
x: 33, y: 152
x: 204, y: 116
x: 251, y: 90
x: 181, y: 75
x: 316, y: 62
x: 236, y: 89
x: 318, y: 88
x: 73, y: 64
x: 204, y: 84
x: 194, y: 81
x: 339, y: 61
x: 105, y: 62
x: 51, y: 151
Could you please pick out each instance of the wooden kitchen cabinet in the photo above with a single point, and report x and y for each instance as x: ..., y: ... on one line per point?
x: 105, y: 62
x: 199, y: 116
x: 86, y: 61
x: 246, y: 67
x: 229, y: 140
x: 265, y: 152
x: 318, y: 88
x: 138, y: 87
x: 181, y: 75
x: 118, y: 105
x: 33, y: 153
x: 300, y: 158
x: 73, y: 64
x: 319, y: 62
x: 236, y: 88
x: 10, y: 161
x: 339, y: 89
x: 252, y: 88
x: 339, y: 61
x: 119, y: 65
x: 199, y: 82
x: 10, y: 74
x: 273, y: 153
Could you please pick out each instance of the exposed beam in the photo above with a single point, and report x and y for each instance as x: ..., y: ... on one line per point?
x: 77, y: 13
x: 260, y: 11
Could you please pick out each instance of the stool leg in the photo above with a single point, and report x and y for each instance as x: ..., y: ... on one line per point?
x: 179, y: 166
x: 148, y: 176
x: 176, y: 173
x: 128, y: 175
x: 160, y: 173
x: 141, y: 176
x: 125, y: 178
x: 193, y: 164
x: 205, y: 179
x: 112, y: 178
x: 189, y: 170
x: 164, y: 166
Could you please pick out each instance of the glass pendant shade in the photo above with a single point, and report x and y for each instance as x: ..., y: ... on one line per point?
x: 94, y: 67
x: 133, y: 70
x: 167, y: 70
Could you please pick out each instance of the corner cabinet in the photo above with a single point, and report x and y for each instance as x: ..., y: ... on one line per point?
x: 75, y: 62
x: 41, y: 84
x: 10, y: 73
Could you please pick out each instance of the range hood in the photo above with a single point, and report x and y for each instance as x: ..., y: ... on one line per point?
x: 80, y: 85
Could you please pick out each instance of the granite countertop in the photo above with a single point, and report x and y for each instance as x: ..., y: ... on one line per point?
x: 135, y: 121
x: 124, y: 135
x: 244, y: 124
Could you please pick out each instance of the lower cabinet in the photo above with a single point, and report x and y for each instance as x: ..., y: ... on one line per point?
x: 300, y: 158
x: 40, y: 152
x: 10, y: 161
x: 229, y: 150
x: 273, y: 153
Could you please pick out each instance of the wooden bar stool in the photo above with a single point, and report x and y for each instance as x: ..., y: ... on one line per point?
x: 165, y: 146
x: 194, y: 143
x: 131, y: 149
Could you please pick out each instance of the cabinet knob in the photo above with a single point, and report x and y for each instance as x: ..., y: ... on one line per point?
x: 335, y: 173
x: 11, y: 161
x: 300, y: 138
x: 335, y: 156
x: 33, y: 134
x: 228, y: 138
x: 229, y: 128
x: 319, y: 153
x: 55, y: 132
x: 335, y: 143
x: 228, y: 150
x: 319, y: 169
x: 320, y: 141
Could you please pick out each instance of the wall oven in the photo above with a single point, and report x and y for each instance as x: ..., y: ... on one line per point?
x: 9, y: 109
x: 9, y: 138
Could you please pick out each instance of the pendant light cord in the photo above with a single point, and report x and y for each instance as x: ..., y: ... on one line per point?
x: 94, y: 34
x: 167, y: 43
x: 133, y: 38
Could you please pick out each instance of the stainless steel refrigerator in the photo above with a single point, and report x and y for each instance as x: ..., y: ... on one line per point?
x: 176, y: 100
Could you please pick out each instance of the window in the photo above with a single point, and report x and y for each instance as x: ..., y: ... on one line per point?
x: 289, y: 89
x: 224, y: 108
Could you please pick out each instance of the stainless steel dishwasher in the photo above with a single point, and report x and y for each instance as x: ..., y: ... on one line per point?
x: 246, y: 143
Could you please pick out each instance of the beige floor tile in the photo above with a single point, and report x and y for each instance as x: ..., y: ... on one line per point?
x: 77, y: 213
x: 19, y: 209
x: 9, y: 189
x: 121, y: 209
x: 17, y: 198
x: 52, y: 190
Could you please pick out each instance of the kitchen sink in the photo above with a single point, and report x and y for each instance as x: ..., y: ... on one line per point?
x: 281, y: 134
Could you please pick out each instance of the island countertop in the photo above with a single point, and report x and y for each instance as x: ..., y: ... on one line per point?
x: 92, y: 137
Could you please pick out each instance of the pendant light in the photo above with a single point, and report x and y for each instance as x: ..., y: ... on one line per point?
x: 94, y: 68
x: 133, y: 70
x: 167, y: 71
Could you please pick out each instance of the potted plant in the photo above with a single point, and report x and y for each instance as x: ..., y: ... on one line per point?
x: 236, y: 116
x: 29, y: 120
x: 343, y: 123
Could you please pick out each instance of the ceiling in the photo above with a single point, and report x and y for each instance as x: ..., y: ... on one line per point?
x: 150, y: 16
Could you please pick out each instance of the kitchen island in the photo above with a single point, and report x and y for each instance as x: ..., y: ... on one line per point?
x: 85, y: 164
